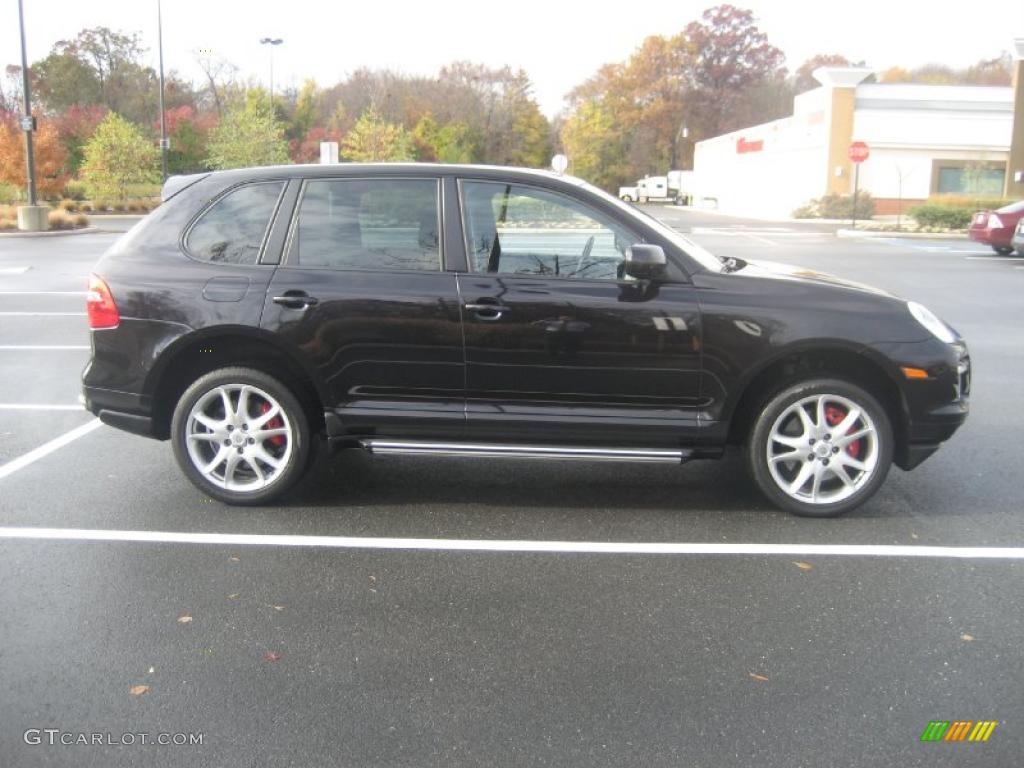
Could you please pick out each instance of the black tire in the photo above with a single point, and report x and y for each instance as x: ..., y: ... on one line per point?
x: 1002, y: 250
x: 293, y: 420
x: 879, y: 444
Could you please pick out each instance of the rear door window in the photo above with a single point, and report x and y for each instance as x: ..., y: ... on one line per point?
x: 380, y: 224
x: 234, y: 229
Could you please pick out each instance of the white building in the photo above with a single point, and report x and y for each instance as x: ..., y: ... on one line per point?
x: 923, y: 140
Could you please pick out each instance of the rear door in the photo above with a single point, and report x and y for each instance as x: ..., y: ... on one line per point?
x: 560, y: 344
x: 362, y: 298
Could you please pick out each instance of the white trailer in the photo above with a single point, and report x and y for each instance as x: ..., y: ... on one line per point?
x: 674, y: 187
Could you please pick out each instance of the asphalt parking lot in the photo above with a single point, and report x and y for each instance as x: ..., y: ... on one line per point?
x: 574, y: 646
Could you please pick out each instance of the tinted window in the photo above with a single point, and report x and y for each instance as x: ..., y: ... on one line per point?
x: 512, y: 229
x: 232, y: 231
x: 368, y: 224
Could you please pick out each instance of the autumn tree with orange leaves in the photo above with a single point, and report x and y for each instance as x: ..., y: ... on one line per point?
x: 50, y: 158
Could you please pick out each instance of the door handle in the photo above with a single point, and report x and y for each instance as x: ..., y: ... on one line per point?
x: 296, y: 300
x: 487, y: 311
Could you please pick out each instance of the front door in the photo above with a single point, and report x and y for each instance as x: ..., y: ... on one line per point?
x: 362, y: 298
x: 559, y: 341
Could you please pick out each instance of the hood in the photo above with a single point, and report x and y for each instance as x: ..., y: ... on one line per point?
x: 772, y: 269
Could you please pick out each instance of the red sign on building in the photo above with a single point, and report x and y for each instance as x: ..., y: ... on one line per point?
x: 743, y: 146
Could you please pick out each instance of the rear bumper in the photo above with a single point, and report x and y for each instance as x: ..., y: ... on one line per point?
x: 123, y: 410
x: 995, y: 237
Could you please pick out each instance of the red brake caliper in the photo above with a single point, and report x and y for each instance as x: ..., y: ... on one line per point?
x: 274, y: 423
x: 834, y: 415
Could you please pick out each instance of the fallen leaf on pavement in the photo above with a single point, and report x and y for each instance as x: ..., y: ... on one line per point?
x: 271, y: 656
x: 186, y: 619
x: 234, y: 559
x: 233, y: 596
x: 966, y: 638
x: 802, y: 566
x: 760, y: 678
x: 138, y: 690
x: 277, y: 607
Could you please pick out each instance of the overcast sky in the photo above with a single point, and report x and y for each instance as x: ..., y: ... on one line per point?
x: 558, y: 42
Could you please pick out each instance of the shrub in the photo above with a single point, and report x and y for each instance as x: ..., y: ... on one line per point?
x: 86, y: 206
x: 101, y: 205
x: 59, y: 220
x: 131, y: 206
x: 75, y: 190
x: 971, y: 203
x: 118, y: 206
x: 69, y: 205
x: 837, y: 207
x: 9, y: 192
x: 939, y: 215
x: 81, y: 220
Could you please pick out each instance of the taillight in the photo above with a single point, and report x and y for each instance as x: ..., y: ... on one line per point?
x: 99, y: 304
x: 994, y: 222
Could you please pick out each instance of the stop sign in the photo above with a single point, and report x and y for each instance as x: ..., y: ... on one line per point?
x: 858, y: 152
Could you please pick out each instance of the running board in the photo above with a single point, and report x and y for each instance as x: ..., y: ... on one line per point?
x: 497, y: 450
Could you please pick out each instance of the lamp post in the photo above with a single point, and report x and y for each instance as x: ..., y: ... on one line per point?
x: 164, y: 144
x: 31, y: 217
x: 271, y: 41
x: 682, y: 133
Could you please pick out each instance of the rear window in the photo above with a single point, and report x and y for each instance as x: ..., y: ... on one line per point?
x: 1017, y: 207
x: 233, y: 230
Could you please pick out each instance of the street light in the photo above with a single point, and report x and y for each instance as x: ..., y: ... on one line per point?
x: 164, y: 144
x: 271, y: 41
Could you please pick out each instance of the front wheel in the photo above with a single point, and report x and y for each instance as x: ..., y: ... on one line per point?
x: 240, y: 436
x: 820, y: 448
x: 1002, y: 250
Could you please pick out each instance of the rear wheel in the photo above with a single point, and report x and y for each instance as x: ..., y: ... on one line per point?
x: 821, y: 447
x: 1002, y: 250
x: 240, y: 436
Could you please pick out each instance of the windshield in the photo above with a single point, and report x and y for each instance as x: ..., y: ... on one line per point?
x: 701, y: 255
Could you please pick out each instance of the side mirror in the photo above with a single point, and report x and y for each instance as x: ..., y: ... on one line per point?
x: 646, y: 262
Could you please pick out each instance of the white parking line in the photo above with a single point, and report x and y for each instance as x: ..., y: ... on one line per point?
x: 993, y: 258
x: 14, y: 270
x: 39, y: 407
x: 37, y: 347
x: 12, y: 466
x: 42, y: 293
x: 508, y: 545
x: 42, y: 314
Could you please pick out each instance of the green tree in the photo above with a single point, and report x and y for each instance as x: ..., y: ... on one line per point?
x: 373, y: 140
x: 596, y: 146
x: 117, y: 156
x: 307, y: 105
x: 248, y: 135
x: 458, y: 143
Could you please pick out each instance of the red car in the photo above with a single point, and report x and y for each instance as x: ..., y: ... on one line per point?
x: 996, y: 228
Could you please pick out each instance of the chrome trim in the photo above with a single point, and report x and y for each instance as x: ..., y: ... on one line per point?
x: 496, y: 450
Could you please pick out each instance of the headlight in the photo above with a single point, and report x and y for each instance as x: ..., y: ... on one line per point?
x: 938, y: 329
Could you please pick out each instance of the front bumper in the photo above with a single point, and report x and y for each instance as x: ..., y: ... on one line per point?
x: 933, y: 408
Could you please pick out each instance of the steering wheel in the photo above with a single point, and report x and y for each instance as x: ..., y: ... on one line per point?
x: 586, y: 252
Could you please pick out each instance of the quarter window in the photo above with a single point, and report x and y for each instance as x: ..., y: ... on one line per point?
x: 520, y: 230
x: 233, y: 230
x: 389, y: 224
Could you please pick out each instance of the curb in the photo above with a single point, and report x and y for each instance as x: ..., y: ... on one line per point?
x: 56, y: 233
x: 854, y: 233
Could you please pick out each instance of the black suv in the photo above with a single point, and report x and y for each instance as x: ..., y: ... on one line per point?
x: 474, y: 311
